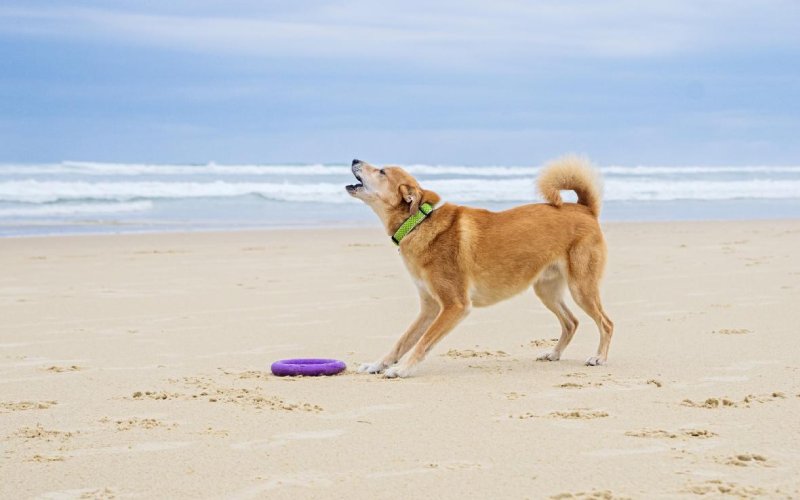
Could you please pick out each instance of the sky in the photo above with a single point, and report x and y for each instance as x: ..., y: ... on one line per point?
x: 677, y: 82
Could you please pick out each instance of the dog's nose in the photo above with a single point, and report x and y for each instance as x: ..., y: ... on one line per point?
x: 355, y: 162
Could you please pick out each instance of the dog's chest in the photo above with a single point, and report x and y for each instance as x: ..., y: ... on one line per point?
x: 415, y: 274
x: 482, y: 296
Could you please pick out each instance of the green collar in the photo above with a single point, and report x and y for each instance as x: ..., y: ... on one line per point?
x: 412, y: 222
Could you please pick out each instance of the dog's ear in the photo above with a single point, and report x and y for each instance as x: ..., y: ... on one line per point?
x: 415, y: 197
x: 411, y: 195
x: 430, y: 197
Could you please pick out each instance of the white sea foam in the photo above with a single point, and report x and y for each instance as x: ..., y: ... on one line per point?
x: 33, y: 191
x: 199, y: 195
x: 76, y: 209
x: 521, y: 190
x: 458, y: 190
x: 113, y: 191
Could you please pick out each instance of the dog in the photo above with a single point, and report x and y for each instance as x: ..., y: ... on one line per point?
x: 462, y: 257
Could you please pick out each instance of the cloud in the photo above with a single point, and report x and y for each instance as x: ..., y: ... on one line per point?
x: 459, y: 81
x: 429, y: 32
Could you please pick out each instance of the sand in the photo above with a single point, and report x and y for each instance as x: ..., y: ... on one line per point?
x: 137, y: 366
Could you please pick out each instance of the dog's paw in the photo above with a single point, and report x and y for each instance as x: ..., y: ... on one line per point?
x: 375, y: 367
x: 595, y: 361
x: 549, y: 356
x: 397, y: 372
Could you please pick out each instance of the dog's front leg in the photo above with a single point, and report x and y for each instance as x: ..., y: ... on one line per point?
x: 429, y: 308
x: 449, y: 316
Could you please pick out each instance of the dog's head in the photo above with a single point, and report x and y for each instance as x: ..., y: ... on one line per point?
x: 390, y: 191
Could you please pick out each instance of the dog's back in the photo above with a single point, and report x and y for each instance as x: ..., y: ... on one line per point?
x: 502, y: 253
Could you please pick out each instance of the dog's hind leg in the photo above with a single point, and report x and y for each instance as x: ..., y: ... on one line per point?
x: 585, y: 270
x: 551, y: 292
x: 428, y: 309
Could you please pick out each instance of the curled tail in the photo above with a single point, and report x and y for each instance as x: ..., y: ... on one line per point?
x: 573, y: 173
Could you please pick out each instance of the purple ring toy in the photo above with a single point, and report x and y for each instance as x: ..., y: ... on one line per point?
x: 307, y: 367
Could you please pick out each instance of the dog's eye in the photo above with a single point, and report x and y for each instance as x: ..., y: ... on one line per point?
x: 382, y: 171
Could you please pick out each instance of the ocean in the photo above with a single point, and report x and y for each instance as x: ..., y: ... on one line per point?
x: 87, y: 197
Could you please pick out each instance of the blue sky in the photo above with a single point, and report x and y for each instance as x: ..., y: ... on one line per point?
x: 455, y: 82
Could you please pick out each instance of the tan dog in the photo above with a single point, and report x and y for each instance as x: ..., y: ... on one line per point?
x: 461, y: 257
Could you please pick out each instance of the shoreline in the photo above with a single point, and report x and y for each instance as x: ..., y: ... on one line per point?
x: 261, y: 215
x: 347, y: 227
x: 345, y: 224
x: 214, y: 230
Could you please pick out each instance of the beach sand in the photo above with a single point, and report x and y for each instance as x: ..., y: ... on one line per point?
x: 138, y: 366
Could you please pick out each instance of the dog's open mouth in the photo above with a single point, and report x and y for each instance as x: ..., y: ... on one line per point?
x: 352, y: 188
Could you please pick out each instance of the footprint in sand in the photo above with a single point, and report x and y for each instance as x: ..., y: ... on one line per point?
x: 206, y: 389
x: 588, y: 495
x: 713, y: 403
x: 581, y: 413
x: 709, y: 403
x: 62, y: 369
x: 27, y: 405
x: 158, y: 395
x: 39, y: 433
x: 575, y: 385
x: 47, y: 458
x: 717, y: 487
x: 127, y: 424
x: 210, y: 431
x: 662, y: 434
x: 577, y: 414
x: 745, y: 460
x: 470, y: 353
x: 732, y: 331
x: 250, y: 397
x: 542, y: 343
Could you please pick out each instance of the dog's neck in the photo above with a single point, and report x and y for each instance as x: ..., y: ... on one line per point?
x: 395, y: 219
x: 411, y: 223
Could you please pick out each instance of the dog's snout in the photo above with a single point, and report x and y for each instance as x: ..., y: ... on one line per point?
x: 355, y: 162
x: 356, y: 168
